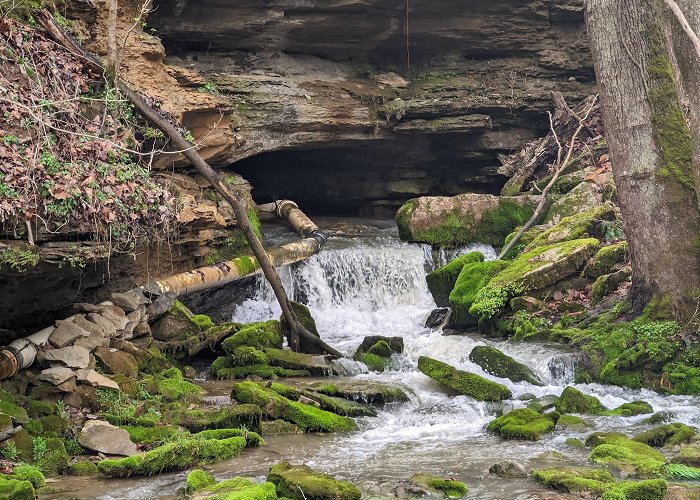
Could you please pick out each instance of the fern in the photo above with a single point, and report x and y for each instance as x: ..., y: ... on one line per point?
x: 682, y: 472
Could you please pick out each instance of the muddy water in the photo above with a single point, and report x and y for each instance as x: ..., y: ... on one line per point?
x: 372, y: 284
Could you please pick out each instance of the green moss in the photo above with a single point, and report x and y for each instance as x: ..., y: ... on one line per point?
x: 681, y: 472
x: 35, y: 409
x: 26, y: 472
x: 498, y: 364
x: 443, y: 280
x: 8, y: 407
x: 151, y: 435
x: 574, y: 401
x: 571, y: 422
x: 575, y: 480
x: 341, y: 406
x: 582, y: 225
x: 84, y: 468
x: 573, y: 442
x: 381, y: 349
x: 625, y: 454
x: 177, y: 455
x: 14, y: 489
x: 666, y: 435
x: 152, y: 361
x: 259, y: 371
x: 247, y: 356
x: 308, y: 418
x: 522, y: 423
x: 23, y: 442
x: 307, y: 320
x: 299, y: 482
x: 203, y: 321
x: 258, y: 335
x: 650, y: 489
x: 450, y: 488
x: 229, y: 417
x: 286, y: 391
x: 55, y: 460
x: 54, y: 425
x: 34, y: 427
x: 608, y: 283
x: 470, y: 281
x: 630, y: 409
x: 234, y: 246
x: 240, y: 488
x: 465, y: 383
x: 374, y: 363
x: 607, y: 258
x: 252, y: 439
x: 174, y: 387
x: 198, y: 480
x: 684, y: 379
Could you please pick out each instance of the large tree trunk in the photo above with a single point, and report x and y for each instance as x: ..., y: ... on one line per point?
x: 647, y: 74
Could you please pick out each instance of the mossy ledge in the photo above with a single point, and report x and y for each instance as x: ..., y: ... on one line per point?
x: 463, y: 382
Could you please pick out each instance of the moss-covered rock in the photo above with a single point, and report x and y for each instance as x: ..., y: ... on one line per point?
x: 626, y: 455
x: 84, y: 468
x: 498, y: 364
x: 230, y: 417
x: 258, y: 335
x: 26, y: 472
x: 364, y: 391
x: 443, y: 280
x: 377, y: 344
x: 522, y: 423
x: 152, y: 361
x: 534, y: 269
x: 299, y: 482
x: 177, y: 455
x: 252, y: 439
x: 54, y: 425
x: 247, y: 356
x: 448, y: 488
x: 151, y: 435
x: 225, y: 367
x: 290, y: 360
x: 470, y: 281
x: 607, y: 259
x: 308, y: 418
x: 463, y: 218
x: 463, y: 382
x: 608, y: 283
x: 650, y: 489
x: 9, y: 407
x: 373, y: 362
x: 307, y: 320
x: 630, y: 409
x: 574, y: 401
x: 55, y: 460
x: 586, y: 224
x: 575, y: 480
x: 666, y: 435
x: 571, y: 422
x: 238, y: 488
x: 574, y: 442
x: 174, y: 387
x: 14, y: 489
x: 198, y: 479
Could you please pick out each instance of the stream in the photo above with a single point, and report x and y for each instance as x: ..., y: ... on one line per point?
x: 367, y: 282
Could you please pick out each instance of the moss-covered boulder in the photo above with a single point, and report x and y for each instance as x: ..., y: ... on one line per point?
x: 173, y: 387
x: 522, y: 423
x: 630, y: 409
x: 448, y: 488
x: 177, y: 324
x: 299, y: 482
x: 16, y: 489
x: 364, y: 391
x: 628, y: 456
x: 229, y: 417
x: 608, y: 283
x: 290, y: 360
x: 583, y: 197
x: 607, y: 259
x: 575, y: 479
x: 381, y: 345
x: 463, y: 382
x: 498, y: 364
x: 572, y: 400
x: 258, y: 335
x: 177, y: 455
x: 54, y: 460
x: 534, y: 269
x: 585, y: 224
x: 198, y: 479
x: 84, y: 468
x: 571, y: 422
x: 308, y: 418
x: 226, y: 367
x: 237, y: 488
x: 649, y: 489
x: 304, y: 315
x: 666, y: 435
x: 470, y: 281
x: 26, y: 472
x: 465, y: 218
x: 443, y: 280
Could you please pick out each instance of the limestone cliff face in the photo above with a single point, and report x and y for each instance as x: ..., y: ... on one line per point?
x: 357, y: 105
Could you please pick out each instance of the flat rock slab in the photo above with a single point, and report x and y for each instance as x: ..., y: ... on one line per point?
x: 72, y: 356
x: 66, y: 333
x: 355, y: 390
x: 116, y: 315
x: 107, y: 326
x: 56, y: 376
x: 131, y: 300
x: 93, y: 341
x: 103, y: 437
x: 91, y: 377
x: 88, y: 325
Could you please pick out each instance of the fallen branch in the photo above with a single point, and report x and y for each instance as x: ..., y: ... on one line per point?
x: 684, y: 24
x: 560, y: 167
x: 239, y: 207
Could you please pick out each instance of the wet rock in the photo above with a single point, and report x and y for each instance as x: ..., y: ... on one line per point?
x: 522, y: 423
x: 574, y: 443
x: 299, y: 482
x: 72, y: 356
x: 442, y: 280
x: 631, y: 409
x: 447, y: 488
x: 508, y: 469
x: 438, y: 318
x: 105, y: 325
x: 66, y: 333
x: 115, y: 315
x: 473, y: 278
x: 7, y: 430
x: 358, y: 390
x: 395, y: 344
x: 575, y: 479
x: 131, y: 300
x: 574, y: 401
x: 551, y: 456
x: 117, y: 362
x: 56, y: 376
x: 91, y: 377
x: 498, y: 364
x: 666, y: 435
x: 278, y: 427
x: 463, y: 382
x: 103, y: 437
x: 572, y: 422
x: 161, y: 306
x: 607, y: 259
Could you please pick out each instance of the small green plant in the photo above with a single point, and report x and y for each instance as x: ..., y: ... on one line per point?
x: 39, y: 448
x: 153, y: 133
x: 19, y: 260
x: 612, y: 230
x: 62, y: 410
x: 210, y: 88
x: 73, y: 447
x: 9, y: 451
x: 10, y: 139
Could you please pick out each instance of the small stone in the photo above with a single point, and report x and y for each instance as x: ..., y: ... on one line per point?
x: 107, y: 326
x: 142, y: 329
x: 160, y: 307
x: 73, y: 400
x: 131, y: 300
x: 91, y: 377
x: 103, y: 437
x: 72, y: 357
x: 438, y: 318
x: 117, y: 362
x: 508, y: 468
x: 116, y: 315
x: 57, y: 375
x: 67, y: 386
x: 66, y: 333
x: 93, y: 341
x: 85, y: 324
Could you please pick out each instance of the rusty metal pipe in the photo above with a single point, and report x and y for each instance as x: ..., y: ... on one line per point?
x: 21, y: 353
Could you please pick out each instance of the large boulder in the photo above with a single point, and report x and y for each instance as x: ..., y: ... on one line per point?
x: 103, y: 437
x: 299, y: 482
x: 117, y: 362
x: 522, y: 423
x: 442, y: 280
x: 471, y: 280
x: 464, y: 218
x: 498, y: 364
x: 463, y: 382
